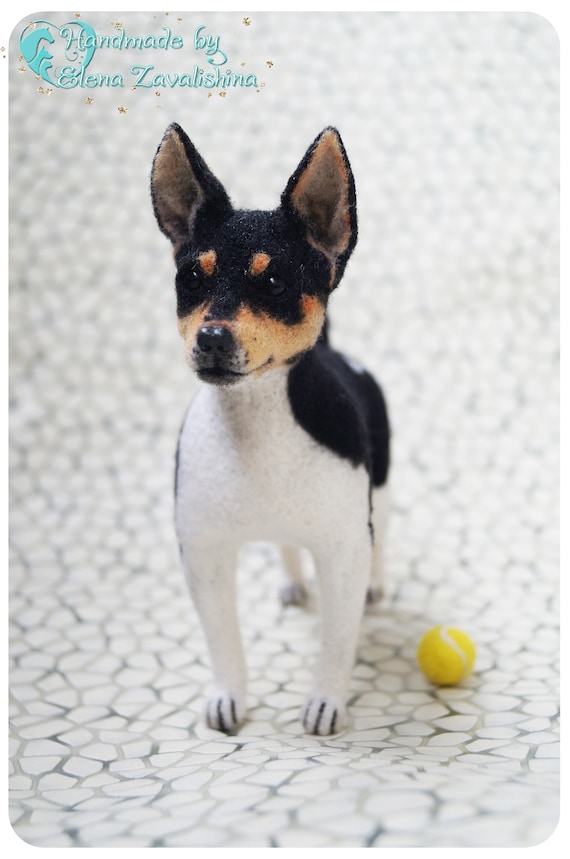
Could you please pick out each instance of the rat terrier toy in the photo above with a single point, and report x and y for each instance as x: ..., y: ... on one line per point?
x: 287, y: 441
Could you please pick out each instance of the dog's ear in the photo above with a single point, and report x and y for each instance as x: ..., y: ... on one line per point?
x: 321, y: 194
x: 187, y: 197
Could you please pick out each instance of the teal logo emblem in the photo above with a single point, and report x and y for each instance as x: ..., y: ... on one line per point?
x: 48, y: 49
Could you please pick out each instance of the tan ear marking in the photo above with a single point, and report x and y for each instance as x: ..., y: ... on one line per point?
x: 322, y: 194
x: 258, y: 264
x: 207, y: 262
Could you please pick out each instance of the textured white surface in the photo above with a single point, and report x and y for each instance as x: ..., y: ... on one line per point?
x: 450, y: 122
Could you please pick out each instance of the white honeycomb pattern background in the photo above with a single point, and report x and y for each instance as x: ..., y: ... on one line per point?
x: 451, y: 298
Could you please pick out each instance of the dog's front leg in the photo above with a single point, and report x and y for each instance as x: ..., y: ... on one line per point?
x: 343, y: 576
x: 211, y: 577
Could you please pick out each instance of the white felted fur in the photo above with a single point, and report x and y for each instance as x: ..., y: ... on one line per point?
x: 248, y: 472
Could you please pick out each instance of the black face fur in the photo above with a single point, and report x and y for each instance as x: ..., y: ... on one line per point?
x: 260, y: 279
x: 292, y: 270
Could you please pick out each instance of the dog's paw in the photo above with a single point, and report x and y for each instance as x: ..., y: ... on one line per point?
x: 322, y: 715
x: 293, y: 593
x: 374, y: 594
x: 223, y: 711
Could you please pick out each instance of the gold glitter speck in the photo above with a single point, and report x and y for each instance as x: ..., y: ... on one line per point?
x: 122, y: 109
x: 247, y: 21
x: 269, y: 64
x: 88, y: 100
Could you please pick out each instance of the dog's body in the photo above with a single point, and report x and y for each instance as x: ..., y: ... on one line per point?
x: 288, y: 443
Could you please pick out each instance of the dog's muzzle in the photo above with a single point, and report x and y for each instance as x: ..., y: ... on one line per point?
x: 216, y: 355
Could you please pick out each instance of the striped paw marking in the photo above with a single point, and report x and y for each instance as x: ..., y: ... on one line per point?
x: 322, y: 716
x: 223, y: 713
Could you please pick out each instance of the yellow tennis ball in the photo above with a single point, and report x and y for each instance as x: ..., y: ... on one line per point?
x: 446, y: 655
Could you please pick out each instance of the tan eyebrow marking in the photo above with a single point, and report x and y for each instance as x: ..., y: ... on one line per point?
x: 259, y: 263
x: 207, y: 262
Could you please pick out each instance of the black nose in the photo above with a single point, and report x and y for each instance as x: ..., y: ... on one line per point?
x: 215, y: 339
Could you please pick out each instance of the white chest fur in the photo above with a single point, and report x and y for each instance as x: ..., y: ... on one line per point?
x: 248, y: 471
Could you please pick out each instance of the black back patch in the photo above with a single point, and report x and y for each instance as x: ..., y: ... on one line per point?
x: 343, y: 409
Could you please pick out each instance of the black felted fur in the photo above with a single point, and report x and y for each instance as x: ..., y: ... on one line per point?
x: 303, y: 269
x: 343, y: 409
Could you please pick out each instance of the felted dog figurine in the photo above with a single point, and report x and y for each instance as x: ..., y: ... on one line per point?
x: 288, y: 441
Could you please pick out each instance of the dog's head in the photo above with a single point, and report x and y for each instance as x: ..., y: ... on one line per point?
x: 252, y: 287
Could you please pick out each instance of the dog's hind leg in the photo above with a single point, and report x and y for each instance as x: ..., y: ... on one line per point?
x: 380, y: 514
x: 211, y: 575
x: 292, y: 590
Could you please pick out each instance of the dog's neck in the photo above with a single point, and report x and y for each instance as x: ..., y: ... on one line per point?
x: 254, y: 405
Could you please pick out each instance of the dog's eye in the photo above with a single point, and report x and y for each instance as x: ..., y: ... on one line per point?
x: 276, y: 285
x: 189, y: 278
